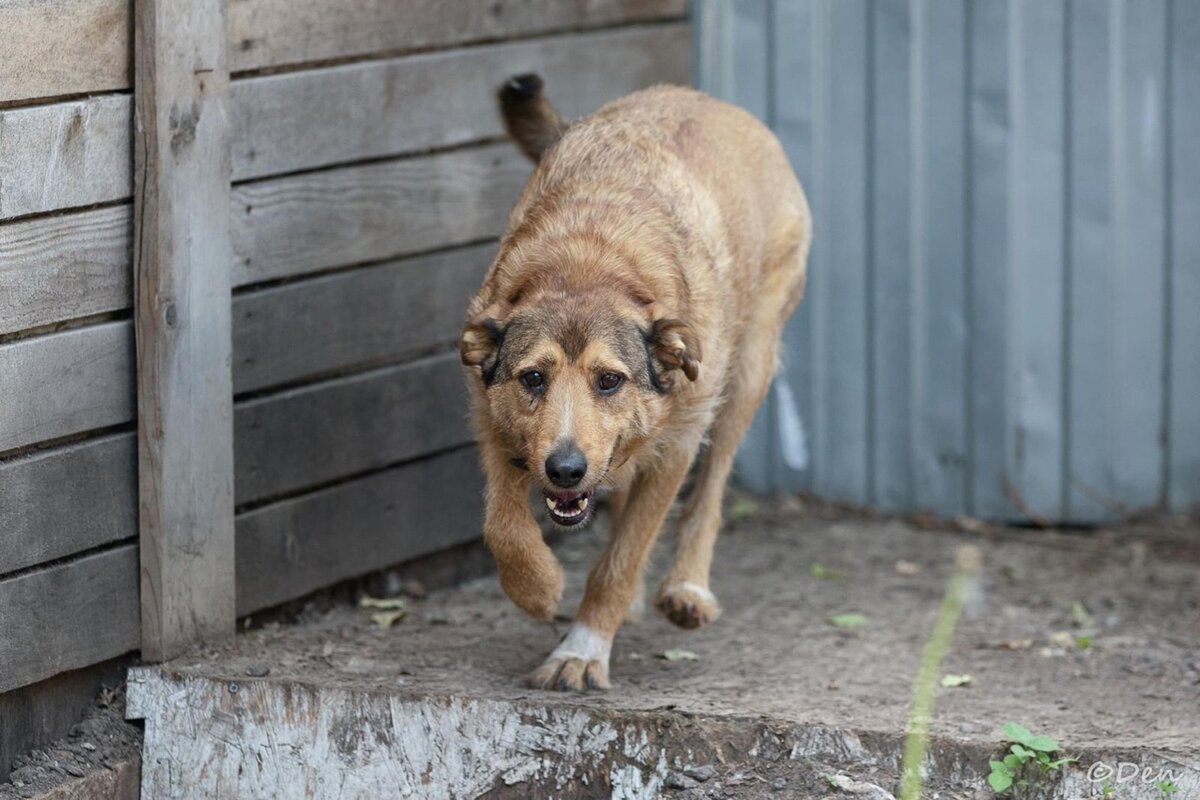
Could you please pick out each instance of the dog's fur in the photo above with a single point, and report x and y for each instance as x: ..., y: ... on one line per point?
x: 661, y: 244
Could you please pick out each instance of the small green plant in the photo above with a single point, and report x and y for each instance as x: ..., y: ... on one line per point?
x: 1109, y: 790
x: 1027, y: 749
x: 1167, y: 788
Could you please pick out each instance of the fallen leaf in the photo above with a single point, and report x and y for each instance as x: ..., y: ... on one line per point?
x: 679, y: 655
x: 1062, y: 639
x: 847, y: 620
x: 954, y: 681
x: 386, y: 619
x: 907, y: 568
x: 390, y: 603
x: 1015, y: 644
x: 743, y: 508
x: 822, y: 572
x: 972, y: 525
x: 1081, y: 617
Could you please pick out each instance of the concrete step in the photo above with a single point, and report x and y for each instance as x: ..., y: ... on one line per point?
x: 778, y: 702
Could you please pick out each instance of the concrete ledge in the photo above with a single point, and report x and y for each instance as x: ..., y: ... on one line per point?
x: 777, y: 703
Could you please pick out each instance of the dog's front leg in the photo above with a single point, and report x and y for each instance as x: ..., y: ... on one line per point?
x: 529, y: 571
x: 581, y: 660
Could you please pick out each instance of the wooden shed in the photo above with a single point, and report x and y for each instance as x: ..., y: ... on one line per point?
x: 236, y: 242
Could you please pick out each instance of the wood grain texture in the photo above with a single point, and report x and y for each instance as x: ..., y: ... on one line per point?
x: 42, y: 712
x: 327, y: 431
x: 269, y: 33
x: 58, y: 47
x: 301, y: 223
x: 63, y: 267
x: 182, y: 259
x: 66, y: 383
x: 289, y: 549
x: 299, y: 120
x: 351, y: 318
x: 68, y: 616
x: 65, y: 154
x: 56, y: 503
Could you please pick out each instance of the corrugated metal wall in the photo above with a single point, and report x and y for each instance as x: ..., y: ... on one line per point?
x: 1003, y: 317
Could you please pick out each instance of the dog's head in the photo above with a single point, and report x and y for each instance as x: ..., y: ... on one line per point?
x: 576, y: 382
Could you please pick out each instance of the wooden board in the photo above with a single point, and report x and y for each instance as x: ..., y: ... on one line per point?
x: 299, y: 120
x: 56, y: 503
x: 182, y: 258
x: 64, y: 154
x: 327, y: 431
x: 45, y: 711
x: 301, y: 223
x: 359, y: 317
x: 67, y: 616
x: 289, y: 549
x: 64, y: 47
x: 65, y: 383
x: 63, y: 267
x: 270, y: 33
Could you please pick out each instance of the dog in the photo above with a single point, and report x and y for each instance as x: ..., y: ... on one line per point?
x: 632, y: 314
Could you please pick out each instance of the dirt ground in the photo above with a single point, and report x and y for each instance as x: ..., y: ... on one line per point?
x: 1092, y: 637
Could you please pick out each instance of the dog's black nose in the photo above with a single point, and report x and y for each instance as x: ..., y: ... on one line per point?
x: 566, y: 466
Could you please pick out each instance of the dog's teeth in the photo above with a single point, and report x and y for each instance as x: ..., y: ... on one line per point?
x: 550, y: 503
x: 583, y: 505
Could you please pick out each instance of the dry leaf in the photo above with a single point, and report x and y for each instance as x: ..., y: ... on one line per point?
x: 907, y: 568
x: 1015, y: 644
x: 386, y: 619
x: 679, y: 655
x: 954, y: 681
x: 390, y: 603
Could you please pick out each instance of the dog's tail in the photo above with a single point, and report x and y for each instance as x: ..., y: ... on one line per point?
x: 528, y: 116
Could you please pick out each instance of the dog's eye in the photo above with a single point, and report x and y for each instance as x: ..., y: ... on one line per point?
x: 533, y: 380
x: 609, y: 382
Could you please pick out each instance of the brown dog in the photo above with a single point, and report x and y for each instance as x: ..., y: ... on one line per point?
x: 634, y: 310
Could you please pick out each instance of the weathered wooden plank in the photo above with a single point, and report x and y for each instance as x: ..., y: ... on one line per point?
x: 56, y: 503
x: 289, y: 549
x: 1183, y: 463
x: 63, y: 267
x: 319, y: 433
x: 844, y: 342
x: 38, y: 714
x: 67, y: 616
x: 65, y: 154
x: 303, y: 223
x: 65, y: 383
x: 988, y: 260
x: 299, y: 120
x: 271, y: 33
x: 353, y: 318
x: 63, y: 47
x: 1037, y: 276
x: 890, y: 259
x: 939, y: 203
x: 182, y: 259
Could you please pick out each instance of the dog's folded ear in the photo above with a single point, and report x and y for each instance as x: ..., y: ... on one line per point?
x: 673, y: 345
x: 479, y: 345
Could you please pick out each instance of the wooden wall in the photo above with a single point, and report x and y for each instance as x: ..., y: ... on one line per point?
x: 369, y: 182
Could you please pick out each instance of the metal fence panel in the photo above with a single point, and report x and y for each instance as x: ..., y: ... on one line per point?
x: 1004, y: 295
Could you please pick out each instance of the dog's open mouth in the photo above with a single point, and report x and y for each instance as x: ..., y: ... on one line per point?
x: 569, y: 508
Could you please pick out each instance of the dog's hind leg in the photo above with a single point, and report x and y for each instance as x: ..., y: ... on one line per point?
x: 684, y: 595
x: 581, y: 660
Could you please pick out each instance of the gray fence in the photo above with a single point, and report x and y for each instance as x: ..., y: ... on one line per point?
x: 1003, y: 317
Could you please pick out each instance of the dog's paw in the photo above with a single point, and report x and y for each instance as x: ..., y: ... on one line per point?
x: 537, y: 590
x: 688, y: 605
x: 579, y: 663
x: 570, y: 675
